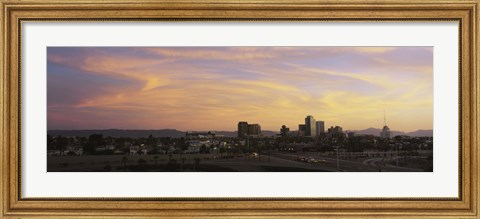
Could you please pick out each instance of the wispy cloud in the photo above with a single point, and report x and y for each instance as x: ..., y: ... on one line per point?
x: 200, y: 88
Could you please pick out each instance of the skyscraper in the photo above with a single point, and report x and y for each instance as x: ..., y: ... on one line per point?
x: 242, y: 129
x: 310, y: 126
x: 320, y: 127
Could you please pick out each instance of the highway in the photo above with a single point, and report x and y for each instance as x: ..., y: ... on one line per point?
x: 276, y: 162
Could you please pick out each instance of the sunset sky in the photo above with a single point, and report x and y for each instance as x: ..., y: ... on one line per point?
x: 213, y: 88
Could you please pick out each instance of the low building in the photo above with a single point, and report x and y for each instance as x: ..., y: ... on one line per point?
x: 199, y: 135
x: 335, y: 132
x: 351, y: 134
x: 284, y: 131
x: 301, y: 130
x: 134, y: 150
x: 385, y: 132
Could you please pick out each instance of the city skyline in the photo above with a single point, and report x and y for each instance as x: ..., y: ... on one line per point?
x: 212, y: 88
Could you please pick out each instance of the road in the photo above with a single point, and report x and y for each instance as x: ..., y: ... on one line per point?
x: 360, y: 165
x: 276, y: 162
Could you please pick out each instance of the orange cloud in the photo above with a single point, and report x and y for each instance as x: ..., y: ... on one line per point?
x: 201, y: 89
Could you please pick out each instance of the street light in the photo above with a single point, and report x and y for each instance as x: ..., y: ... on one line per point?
x: 338, y: 161
x: 396, y: 153
x: 248, y: 147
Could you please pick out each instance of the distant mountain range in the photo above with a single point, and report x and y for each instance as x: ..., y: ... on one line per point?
x: 119, y: 133
x: 177, y: 134
x: 376, y: 132
x: 139, y: 133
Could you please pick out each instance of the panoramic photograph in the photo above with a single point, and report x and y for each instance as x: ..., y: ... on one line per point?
x: 240, y: 109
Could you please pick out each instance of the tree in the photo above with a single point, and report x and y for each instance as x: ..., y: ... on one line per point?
x: 50, y: 143
x: 181, y: 143
x: 94, y: 141
x: 124, y: 161
x: 354, y: 144
x: 151, y: 141
x: 107, y: 168
x: 197, y: 162
x: 61, y: 144
x: 212, y: 149
x: 222, y: 151
x: 183, y: 162
x: 156, y: 159
x: 141, y: 162
x: 203, y: 149
x: 172, y: 165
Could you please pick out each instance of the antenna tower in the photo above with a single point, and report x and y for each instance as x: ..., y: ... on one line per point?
x: 384, y: 119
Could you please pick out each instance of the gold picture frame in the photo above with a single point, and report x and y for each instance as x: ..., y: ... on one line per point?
x: 14, y: 12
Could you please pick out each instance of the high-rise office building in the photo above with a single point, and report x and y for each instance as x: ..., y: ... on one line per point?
x: 245, y: 129
x: 242, y: 129
x: 320, y: 125
x: 310, y: 126
x: 254, y: 129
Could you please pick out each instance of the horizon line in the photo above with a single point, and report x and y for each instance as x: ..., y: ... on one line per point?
x: 221, y: 130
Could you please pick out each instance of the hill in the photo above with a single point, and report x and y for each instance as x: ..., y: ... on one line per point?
x: 139, y: 133
x: 376, y: 132
x: 178, y: 134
